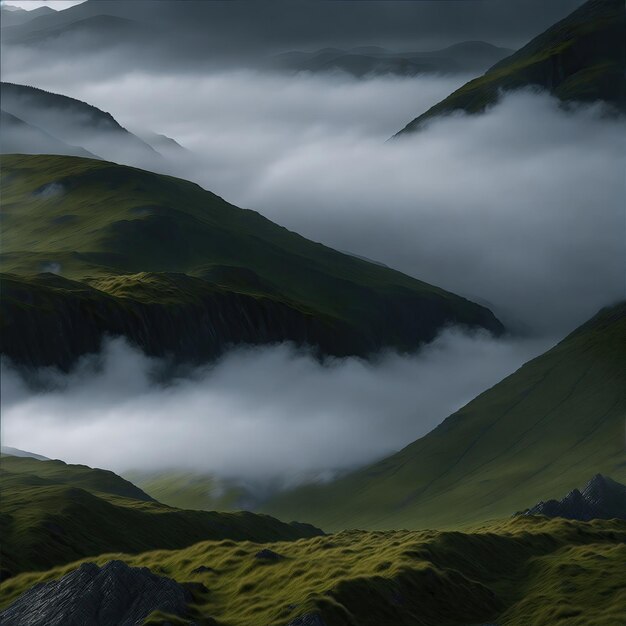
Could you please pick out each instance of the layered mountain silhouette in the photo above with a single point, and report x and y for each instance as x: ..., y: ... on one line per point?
x: 582, y: 58
x: 467, y: 56
x: 14, y: 16
x: 40, y: 122
x: 142, y: 32
x: 179, y: 271
x: 20, y: 137
x: 536, y: 434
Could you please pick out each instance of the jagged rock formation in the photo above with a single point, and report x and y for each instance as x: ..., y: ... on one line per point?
x: 268, y: 555
x: 602, y: 498
x: 99, y: 596
x: 310, y: 619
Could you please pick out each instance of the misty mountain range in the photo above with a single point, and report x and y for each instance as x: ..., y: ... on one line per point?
x: 77, y: 127
x: 136, y: 304
x: 204, y: 32
x: 468, y: 56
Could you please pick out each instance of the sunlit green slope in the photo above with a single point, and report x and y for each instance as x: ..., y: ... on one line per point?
x: 539, y: 433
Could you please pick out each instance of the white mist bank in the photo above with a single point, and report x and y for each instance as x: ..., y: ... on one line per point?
x: 258, y: 414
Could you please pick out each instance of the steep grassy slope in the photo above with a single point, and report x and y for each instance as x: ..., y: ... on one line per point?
x: 581, y: 58
x: 52, y: 513
x: 539, y: 433
x: 520, y: 572
x: 146, y: 252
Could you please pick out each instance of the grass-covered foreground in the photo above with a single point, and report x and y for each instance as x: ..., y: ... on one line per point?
x: 523, y: 571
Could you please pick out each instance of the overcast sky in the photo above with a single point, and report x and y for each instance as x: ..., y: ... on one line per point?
x: 167, y: 34
x: 29, y: 5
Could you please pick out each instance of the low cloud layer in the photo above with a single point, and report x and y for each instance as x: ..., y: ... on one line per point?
x: 260, y: 415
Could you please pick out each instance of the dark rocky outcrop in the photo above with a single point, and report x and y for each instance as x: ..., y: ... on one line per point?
x: 268, y: 555
x: 112, y: 595
x: 203, y: 569
x: 602, y: 498
x: 310, y: 619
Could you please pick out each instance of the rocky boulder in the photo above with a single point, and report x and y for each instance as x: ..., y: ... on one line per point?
x: 112, y: 595
x: 602, y: 498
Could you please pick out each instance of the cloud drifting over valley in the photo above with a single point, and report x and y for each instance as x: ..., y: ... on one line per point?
x: 259, y: 415
x: 521, y: 209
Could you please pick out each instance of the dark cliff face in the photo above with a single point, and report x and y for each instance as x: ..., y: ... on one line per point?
x: 48, y: 320
x: 51, y: 326
x: 182, y: 273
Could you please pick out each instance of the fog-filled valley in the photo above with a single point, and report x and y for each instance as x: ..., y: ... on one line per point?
x: 271, y: 416
x: 495, y: 208
x: 330, y: 322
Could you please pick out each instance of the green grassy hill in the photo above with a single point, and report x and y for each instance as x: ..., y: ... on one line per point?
x: 57, y: 472
x: 193, y: 490
x: 539, y: 433
x: 52, y: 513
x: 581, y: 58
x: 141, y: 254
x: 521, y: 572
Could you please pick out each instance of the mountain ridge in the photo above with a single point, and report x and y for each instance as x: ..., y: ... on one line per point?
x: 139, y: 252
x: 85, y: 129
x: 581, y: 58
